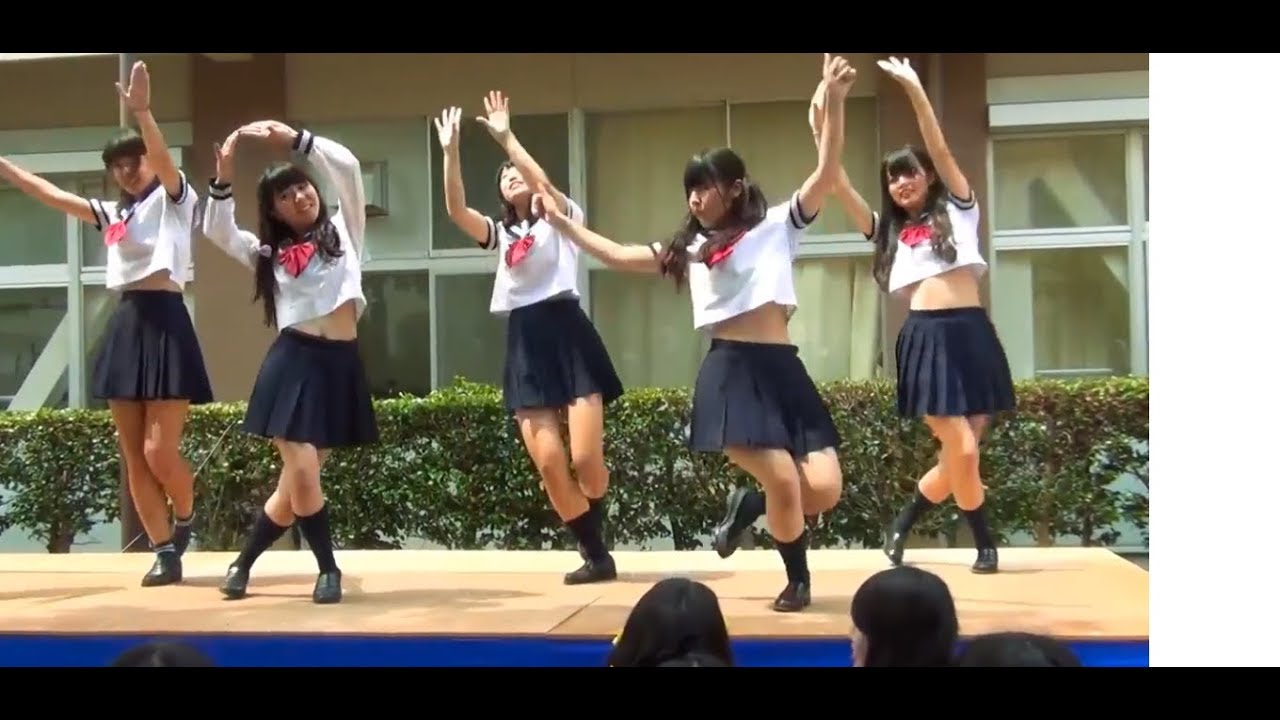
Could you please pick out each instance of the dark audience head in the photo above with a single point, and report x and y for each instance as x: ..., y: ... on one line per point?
x: 695, y: 659
x: 677, y: 617
x: 1017, y: 649
x: 904, y: 617
x: 162, y: 654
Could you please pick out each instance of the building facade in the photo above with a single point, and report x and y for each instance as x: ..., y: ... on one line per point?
x: 1056, y: 145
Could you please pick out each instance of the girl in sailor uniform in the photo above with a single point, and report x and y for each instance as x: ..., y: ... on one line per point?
x: 951, y: 366
x: 753, y: 398
x: 311, y: 395
x: 149, y: 367
x: 556, y: 363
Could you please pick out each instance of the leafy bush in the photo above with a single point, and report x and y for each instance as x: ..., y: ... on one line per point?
x: 451, y: 469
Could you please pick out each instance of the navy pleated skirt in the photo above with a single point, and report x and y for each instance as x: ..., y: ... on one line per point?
x: 312, y: 390
x: 760, y: 396
x: 150, y: 352
x: 555, y: 356
x: 951, y: 364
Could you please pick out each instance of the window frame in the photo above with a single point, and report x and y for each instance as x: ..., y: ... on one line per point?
x: 1134, y: 236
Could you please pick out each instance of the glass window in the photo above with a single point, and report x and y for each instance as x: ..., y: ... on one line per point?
x: 395, y: 333
x: 777, y: 145
x: 32, y: 233
x: 1064, y: 182
x: 635, y: 163
x: 471, y: 342
x: 28, y: 319
x: 1076, y: 322
x: 837, y: 325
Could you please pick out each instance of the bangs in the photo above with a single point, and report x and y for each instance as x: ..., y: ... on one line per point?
x: 698, y: 173
x: 902, y: 162
x: 281, y: 176
x: 126, y: 145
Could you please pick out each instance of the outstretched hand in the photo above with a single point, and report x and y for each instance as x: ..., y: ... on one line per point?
x: 447, y: 127
x: 543, y: 206
x: 498, y: 122
x: 136, y: 97
x: 900, y: 69
x: 837, y: 75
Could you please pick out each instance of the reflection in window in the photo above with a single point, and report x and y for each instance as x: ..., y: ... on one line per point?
x: 472, y: 342
x: 1064, y: 182
x: 28, y: 319
x: 395, y: 333
x: 1077, y: 321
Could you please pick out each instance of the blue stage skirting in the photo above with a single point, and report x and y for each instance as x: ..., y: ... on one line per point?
x: 438, y: 651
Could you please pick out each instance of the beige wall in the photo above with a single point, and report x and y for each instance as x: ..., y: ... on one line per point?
x: 81, y: 91
x: 324, y: 88
x: 333, y: 87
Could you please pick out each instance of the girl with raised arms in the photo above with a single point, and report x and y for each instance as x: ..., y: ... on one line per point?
x: 556, y: 362
x: 311, y: 394
x: 951, y: 367
x: 150, y: 368
x: 753, y: 399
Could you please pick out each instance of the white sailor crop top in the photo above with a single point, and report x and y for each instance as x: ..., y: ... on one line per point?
x: 535, y: 262
x: 914, y: 259
x: 149, y: 236
x: 308, y: 285
x: 752, y: 271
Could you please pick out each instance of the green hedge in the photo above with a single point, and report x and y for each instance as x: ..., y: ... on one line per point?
x: 451, y: 469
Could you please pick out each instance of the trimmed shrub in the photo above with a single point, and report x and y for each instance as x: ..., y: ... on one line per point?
x: 451, y: 469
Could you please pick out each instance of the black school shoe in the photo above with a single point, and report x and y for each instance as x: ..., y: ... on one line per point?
x: 328, y: 588
x: 593, y: 572
x: 167, y: 570
x: 796, y: 596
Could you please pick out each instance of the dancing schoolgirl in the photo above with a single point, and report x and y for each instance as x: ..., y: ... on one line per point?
x: 311, y: 395
x: 555, y: 360
x: 951, y: 367
x: 150, y: 367
x: 753, y: 399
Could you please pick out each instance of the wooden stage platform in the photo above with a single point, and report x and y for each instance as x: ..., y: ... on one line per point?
x: 1084, y: 594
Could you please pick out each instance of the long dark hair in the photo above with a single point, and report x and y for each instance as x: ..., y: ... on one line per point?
x: 675, y: 618
x: 893, y: 218
x: 274, y: 234
x: 718, y: 168
x: 907, y: 618
x: 126, y: 144
x: 506, y: 211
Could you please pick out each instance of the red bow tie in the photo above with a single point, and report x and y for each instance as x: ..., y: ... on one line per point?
x: 916, y: 234
x: 725, y: 250
x: 294, y: 258
x: 518, y: 250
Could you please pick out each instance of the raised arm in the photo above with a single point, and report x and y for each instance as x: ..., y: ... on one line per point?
x: 855, y: 206
x: 627, y: 258
x: 837, y: 77
x: 478, y: 227
x: 497, y: 120
x: 137, y: 97
x: 948, y: 169
x: 220, y: 212
x: 48, y: 193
